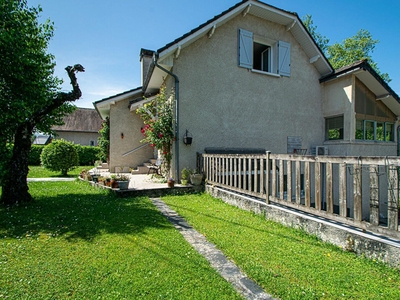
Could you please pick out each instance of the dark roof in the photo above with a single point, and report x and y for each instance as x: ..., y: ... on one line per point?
x: 81, y: 120
x: 120, y: 94
x: 213, y: 19
x: 364, y: 65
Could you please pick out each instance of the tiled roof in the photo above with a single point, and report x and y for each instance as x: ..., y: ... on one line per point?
x: 81, y: 120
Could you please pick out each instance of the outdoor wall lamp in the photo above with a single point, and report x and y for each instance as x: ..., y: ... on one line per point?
x: 122, y: 135
x: 187, y: 138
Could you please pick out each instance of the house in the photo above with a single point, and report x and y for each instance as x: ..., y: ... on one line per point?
x: 253, y: 78
x: 81, y: 127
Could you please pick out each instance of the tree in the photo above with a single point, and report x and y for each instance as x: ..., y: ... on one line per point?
x: 60, y: 155
x: 352, y: 49
x: 321, y: 40
x: 30, y: 95
x: 104, y: 140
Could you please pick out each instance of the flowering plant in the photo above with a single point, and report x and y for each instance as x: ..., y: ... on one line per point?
x: 158, y: 131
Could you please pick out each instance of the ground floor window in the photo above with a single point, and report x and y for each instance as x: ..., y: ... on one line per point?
x: 374, y: 131
x: 334, y: 128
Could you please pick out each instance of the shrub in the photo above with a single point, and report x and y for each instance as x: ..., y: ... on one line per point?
x: 34, y: 155
x: 88, y: 155
x: 60, y: 155
x: 104, y: 140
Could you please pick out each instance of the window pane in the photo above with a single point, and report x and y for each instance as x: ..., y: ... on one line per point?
x: 379, y: 132
x: 389, y: 132
x: 359, y: 129
x: 334, y: 128
x: 258, y: 52
x: 369, y: 130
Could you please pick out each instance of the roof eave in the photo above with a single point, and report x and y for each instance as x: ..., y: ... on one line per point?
x: 103, y: 106
x: 263, y: 10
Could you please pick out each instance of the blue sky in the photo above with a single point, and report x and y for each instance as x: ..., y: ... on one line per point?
x: 106, y: 36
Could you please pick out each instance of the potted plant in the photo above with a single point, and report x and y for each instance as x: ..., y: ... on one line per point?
x: 101, y: 180
x: 185, y: 173
x: 196, y: 178
x: 171, y: 183
x: 122, y: 181
x: 113, y: 183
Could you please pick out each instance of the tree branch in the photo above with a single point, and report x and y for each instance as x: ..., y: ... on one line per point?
x: 62, y: 97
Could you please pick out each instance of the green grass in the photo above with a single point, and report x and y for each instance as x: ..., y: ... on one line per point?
x: 40, y: 172
x: 288, y: 263
x: 79, y: 242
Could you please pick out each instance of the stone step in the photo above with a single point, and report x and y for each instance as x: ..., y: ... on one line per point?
x: 103, y: 166
x: 141, y: 170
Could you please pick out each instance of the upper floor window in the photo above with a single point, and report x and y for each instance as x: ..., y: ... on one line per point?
x: 334, y: 128
x: 263, y: 54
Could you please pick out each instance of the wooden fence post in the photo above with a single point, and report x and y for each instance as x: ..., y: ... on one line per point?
x: 298, y: 182
x: 357, y: 187
x: 317, y: 175
x: 342, y: 190
x: 307, y: 184
x: 393, y: 198
x: 267, y: 177
x: 329, y: 187
x: 374, y: 194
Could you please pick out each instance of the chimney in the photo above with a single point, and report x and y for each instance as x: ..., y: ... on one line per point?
x: 146, y: 58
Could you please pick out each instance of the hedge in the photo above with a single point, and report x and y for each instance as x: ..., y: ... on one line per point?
x: 34, y: 155
x: 87, y: 155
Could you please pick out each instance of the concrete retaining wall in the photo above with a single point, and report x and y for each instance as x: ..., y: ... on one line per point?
x: 348, y: 238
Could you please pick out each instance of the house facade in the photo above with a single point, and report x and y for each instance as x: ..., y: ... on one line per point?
x: 253, y: 78
x: 81, y: 127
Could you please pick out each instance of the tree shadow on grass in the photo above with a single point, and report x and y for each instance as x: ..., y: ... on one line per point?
x: 76, y: 215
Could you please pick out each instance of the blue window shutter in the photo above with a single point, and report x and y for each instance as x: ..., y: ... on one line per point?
x: 245, y: 49
x: 284, y: 58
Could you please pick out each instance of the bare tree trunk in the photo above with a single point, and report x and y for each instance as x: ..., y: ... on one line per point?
x: 15, y: 186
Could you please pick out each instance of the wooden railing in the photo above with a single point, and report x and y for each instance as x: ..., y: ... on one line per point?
x: 359, y: 191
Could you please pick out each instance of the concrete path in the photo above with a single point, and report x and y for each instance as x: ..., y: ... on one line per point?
x: 52, y: 179
x: 228, y: 270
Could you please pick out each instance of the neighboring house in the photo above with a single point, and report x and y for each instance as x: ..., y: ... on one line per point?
x: 253, y: 78
x: 81, y: 127
x: 42, y: 139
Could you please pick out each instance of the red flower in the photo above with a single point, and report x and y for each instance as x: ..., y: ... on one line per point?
x: 160, y: 135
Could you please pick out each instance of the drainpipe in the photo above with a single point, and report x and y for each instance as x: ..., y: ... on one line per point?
x: 155, y: 58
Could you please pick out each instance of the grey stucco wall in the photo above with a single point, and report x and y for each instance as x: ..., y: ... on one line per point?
x: 122, y: 120
x: 338, y: 99
x: 224, y: 105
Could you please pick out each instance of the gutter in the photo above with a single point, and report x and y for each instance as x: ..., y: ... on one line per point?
x: 155, y: 58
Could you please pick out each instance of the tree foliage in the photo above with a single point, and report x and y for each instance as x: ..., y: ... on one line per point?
x: 30, y: 95
x: 104, y: 140
x: 353, y: 49
x: 321, y: 40
x: 60, y: 155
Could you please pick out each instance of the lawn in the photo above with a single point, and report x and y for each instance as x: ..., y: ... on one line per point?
x: 288, y: 263
x: 40, y: 172
x: 79, y: 242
